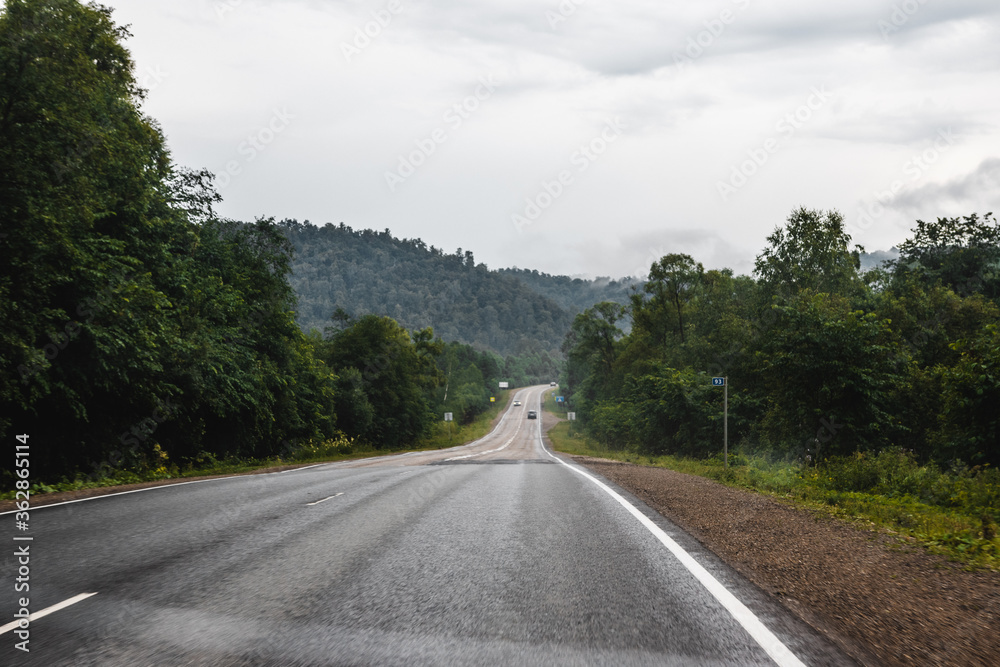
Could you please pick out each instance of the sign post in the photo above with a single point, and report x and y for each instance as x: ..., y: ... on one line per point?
x: 724, y: 383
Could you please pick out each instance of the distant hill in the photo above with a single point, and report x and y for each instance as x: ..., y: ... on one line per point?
x: 872, y: 260
x: 574, y: 294
x: 363, y: 271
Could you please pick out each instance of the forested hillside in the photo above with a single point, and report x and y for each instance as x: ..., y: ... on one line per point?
x: 368, y: 272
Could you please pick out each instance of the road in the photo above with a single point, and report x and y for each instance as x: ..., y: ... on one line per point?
x: 494, y: 553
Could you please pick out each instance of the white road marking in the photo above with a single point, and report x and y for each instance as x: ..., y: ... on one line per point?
x: 48, y: 610
x: 739, y: 611
x: 35, y: 508
x: 489, y: 451
x: 324, y: 500
x: 282, y: 472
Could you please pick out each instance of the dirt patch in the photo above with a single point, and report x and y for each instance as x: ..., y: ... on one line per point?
x: 882, y: 600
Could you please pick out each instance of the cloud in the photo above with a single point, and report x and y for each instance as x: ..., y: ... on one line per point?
x: 975, y: 192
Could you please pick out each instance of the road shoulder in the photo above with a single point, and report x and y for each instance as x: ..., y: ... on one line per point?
x: 881, y: 601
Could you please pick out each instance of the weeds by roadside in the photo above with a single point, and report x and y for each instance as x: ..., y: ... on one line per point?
x: 953, y: 512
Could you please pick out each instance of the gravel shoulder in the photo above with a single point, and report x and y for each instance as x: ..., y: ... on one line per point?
x: 884, y: 602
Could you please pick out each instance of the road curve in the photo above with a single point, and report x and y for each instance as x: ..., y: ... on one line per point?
x: 493, y: 553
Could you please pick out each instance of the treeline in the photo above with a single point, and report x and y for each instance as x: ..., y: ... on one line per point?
x: 137, y: 330
x: 822, y: 359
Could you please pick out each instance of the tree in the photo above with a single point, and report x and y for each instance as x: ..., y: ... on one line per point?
x: 829, y: 372
x: 969, y: 420
x: 963, y: 254
x: 811, y: 252
x: 672, y: 282
x: 395, y: 372
x: 591, y: 350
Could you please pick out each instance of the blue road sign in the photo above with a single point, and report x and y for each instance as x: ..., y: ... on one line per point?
x: 718, y: 382
x: 560, y: 399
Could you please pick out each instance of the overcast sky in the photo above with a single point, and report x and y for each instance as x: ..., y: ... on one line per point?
x: 582, y: 138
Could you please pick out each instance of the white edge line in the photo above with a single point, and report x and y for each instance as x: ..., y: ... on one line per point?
x: 35, y: 508
x: 48, y: 610
x: 739, y: 611
x: 325, y: 499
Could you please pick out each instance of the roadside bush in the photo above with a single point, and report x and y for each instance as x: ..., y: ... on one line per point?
x: 897, y: 473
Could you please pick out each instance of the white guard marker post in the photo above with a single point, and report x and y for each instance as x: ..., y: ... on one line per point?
x: 724, y: 383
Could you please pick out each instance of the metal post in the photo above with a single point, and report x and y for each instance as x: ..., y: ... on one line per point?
x: 725, y: 423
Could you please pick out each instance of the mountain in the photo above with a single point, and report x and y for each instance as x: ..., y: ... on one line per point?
x: 363, y: 271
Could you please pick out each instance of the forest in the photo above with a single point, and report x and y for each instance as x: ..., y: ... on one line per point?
x: 822, y: 359
x: 362, y: 272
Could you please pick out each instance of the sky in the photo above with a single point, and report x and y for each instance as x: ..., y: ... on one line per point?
x: 581, y: 137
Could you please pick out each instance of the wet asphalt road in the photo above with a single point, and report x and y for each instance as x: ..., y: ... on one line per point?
x: 490, y: 554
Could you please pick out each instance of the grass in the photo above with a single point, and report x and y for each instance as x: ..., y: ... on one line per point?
x: 948, y: 512
x: 443, y: 434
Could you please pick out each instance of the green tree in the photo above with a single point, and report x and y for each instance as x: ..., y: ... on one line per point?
x: 395, y: 372
x: 829, y: 372
x: 962, y: 253
x: 659, y: 308
x: 811, y: 252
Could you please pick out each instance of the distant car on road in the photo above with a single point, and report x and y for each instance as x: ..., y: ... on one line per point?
x: 517, y: 403
x: 552, y: 384
x: 532, y: 414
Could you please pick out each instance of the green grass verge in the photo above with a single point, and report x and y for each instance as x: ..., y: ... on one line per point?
x: 951, y: 513
x: 442, y: 435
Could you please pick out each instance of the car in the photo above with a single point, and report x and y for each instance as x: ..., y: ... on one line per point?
x: 552, y: 384
x: 517, y: 403
x: 532, y: 414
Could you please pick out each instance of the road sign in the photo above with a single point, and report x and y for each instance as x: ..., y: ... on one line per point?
x: 448, y: 416
x: 571, y: 416
x: 723, y: 382
x: 504, y: 385
x: 493, y: 399
x: 560, y: 399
